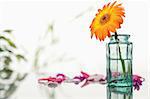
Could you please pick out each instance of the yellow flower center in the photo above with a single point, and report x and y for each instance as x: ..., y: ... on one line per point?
x: 104, y: 19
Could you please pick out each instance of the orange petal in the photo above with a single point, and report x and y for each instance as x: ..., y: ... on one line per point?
x: 120, y: 14
x: 118, y: 19
x: 118, y: 9
x: 108, y: 34
x: 99, y: 34
x: 111, y: 28
x: 104, y: 6
x: 116, y: 24
x: 108, y: 4
x: 104, y: 34
x: 118, y: 5
x: 113, y: 4
x: 94, y: 23
x: 99, y: 10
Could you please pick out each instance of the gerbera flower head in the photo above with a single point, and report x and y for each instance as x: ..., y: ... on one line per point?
x: 107, y: 20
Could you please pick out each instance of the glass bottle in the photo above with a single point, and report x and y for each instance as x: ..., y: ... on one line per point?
x: 119, y: 61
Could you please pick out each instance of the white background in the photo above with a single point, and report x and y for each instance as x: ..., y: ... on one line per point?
x: 29, y: 19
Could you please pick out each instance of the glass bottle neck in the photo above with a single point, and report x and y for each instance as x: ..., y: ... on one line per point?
x: 119, y: 38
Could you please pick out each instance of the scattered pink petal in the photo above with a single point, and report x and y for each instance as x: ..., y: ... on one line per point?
x: 61, y: 75
x: 96, y: 78
x: 85, y: 74
x: 137, y: 81
x: 115, y: 74
x: 78, y: 79
x: 81, y: 78
x: 89, y: 79
x: 85, y: 84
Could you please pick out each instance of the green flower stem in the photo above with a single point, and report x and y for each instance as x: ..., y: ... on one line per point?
x: 122, y: 61
x: 124, y: 96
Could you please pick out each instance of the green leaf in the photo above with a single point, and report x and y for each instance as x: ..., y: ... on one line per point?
x: 21, y: 77
x: 7, y: 73
x: 8, y: 41
x: 8, y: 31
x: 5, y: 49
x: 7, y: 60
x: 50, y: 28
x: 20, y: 57
x: 1, y: 50
x: 9, y: 51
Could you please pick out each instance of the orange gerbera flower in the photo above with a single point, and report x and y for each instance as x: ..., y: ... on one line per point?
x: 107, y: 20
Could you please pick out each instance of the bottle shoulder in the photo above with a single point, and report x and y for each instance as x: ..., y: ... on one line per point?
x: 128, y: 43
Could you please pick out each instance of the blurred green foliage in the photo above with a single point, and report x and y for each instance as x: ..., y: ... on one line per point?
x: 8, y: 49
x: 8, y: 54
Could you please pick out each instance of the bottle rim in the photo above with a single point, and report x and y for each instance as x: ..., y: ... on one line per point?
x: 122, y: 35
